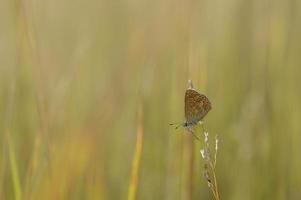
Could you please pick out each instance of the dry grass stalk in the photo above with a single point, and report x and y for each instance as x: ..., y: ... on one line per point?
x: 210, y: 165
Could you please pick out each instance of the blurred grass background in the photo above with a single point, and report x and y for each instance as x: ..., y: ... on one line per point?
x: 80, y: 81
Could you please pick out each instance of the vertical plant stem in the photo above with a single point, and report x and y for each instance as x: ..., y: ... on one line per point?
x: 191, y: 168
x: 213, y: 192
x: 14, y: 169
x: 215, y: 185
x: 132, y: 190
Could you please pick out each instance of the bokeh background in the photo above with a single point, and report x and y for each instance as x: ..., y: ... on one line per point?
x: 88, y: 89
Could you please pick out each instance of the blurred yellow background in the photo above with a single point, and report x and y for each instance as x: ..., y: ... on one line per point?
x: 81, y: 81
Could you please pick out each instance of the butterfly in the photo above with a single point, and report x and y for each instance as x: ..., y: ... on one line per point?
x: 197, y: 106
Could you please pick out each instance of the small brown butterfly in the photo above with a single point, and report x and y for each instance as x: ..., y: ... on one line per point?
x: 196, y: 107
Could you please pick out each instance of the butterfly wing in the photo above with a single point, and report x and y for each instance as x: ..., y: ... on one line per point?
x: 196, y: 106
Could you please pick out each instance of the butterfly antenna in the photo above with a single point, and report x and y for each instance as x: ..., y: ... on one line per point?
x: 177, y: 125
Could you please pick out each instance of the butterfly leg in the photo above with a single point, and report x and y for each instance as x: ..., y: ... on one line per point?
x: 203, y: 126
x: 194, y: 135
